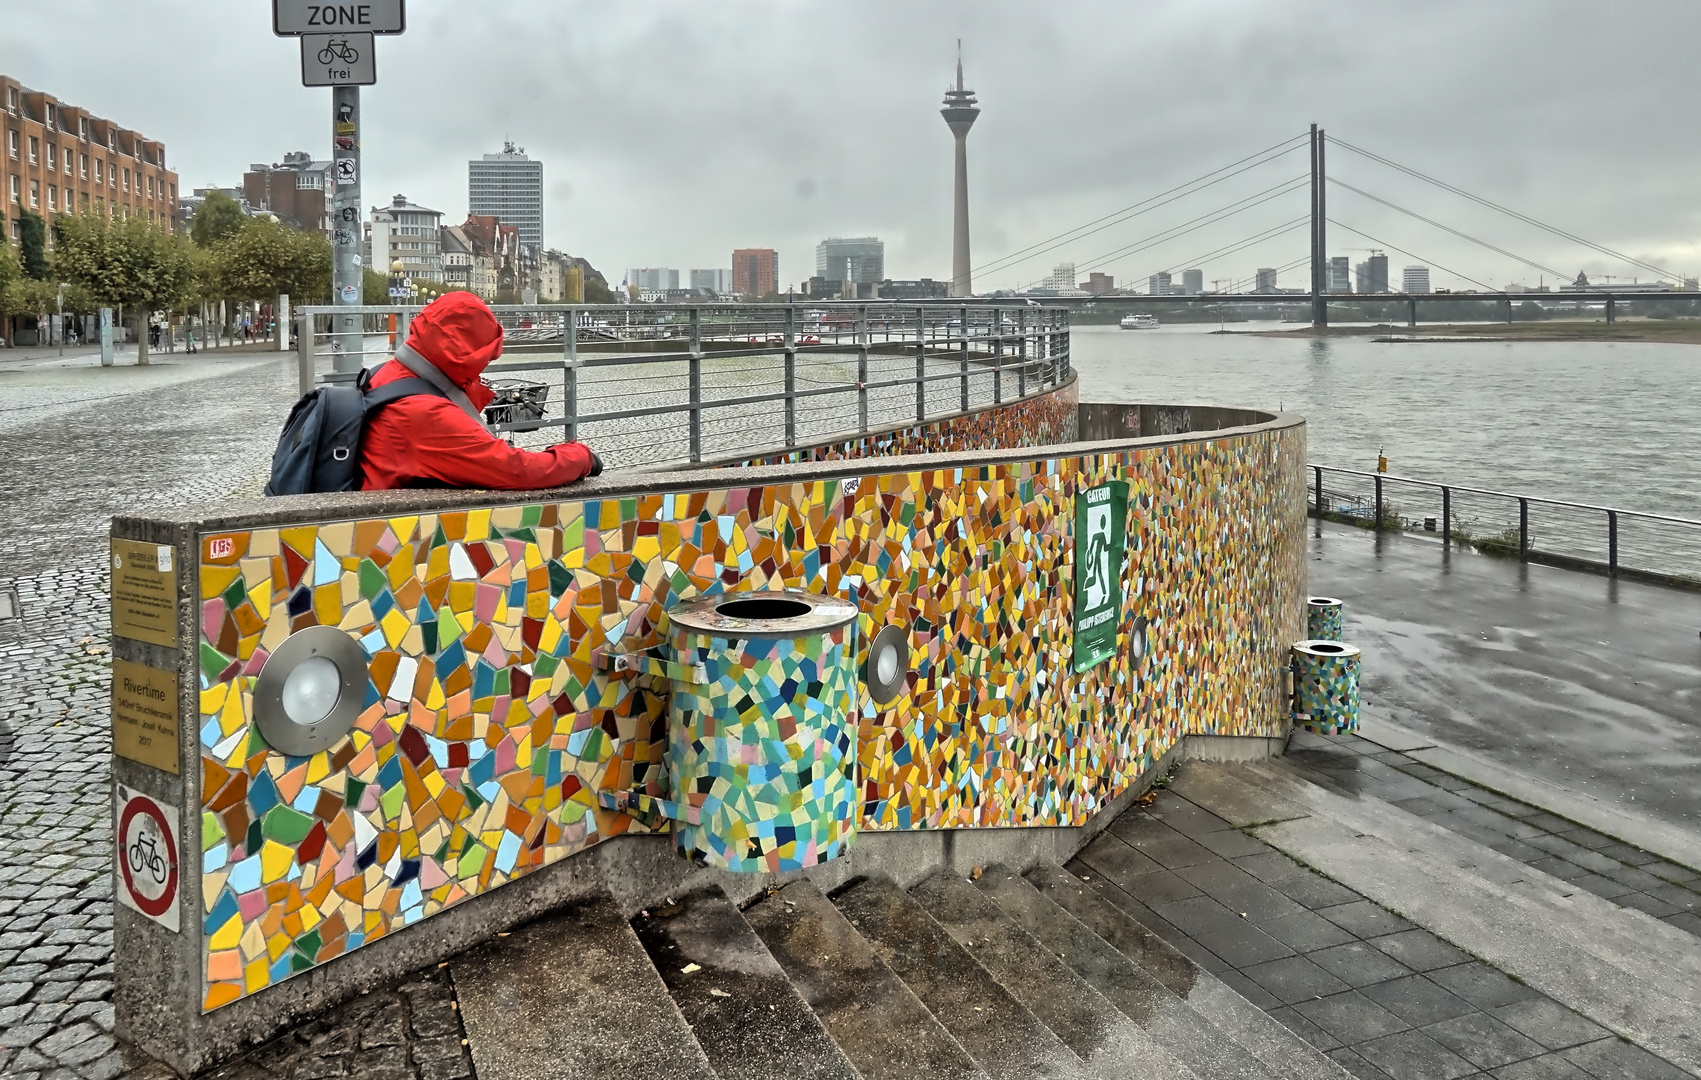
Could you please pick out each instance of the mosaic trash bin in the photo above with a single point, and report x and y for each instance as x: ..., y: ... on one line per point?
x: 761, y: 754
x: 1325, y: 687
x: 1323, y: 619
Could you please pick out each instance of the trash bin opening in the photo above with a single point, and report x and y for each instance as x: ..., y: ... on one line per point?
x: 763, y: 609
x: 1325, y: 647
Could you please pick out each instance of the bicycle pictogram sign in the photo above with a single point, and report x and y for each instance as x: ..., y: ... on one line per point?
x: 147, y: 857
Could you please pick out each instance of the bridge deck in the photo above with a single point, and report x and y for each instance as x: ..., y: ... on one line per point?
x: 1590, y: 684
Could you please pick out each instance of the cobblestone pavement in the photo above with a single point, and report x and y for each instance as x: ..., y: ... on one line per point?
x: 82, y: 445
x: 1382, y: 997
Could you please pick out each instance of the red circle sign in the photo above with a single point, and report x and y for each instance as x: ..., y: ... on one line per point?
x: 147, y: 856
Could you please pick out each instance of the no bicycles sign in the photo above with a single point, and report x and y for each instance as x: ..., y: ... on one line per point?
x: 147, y: 857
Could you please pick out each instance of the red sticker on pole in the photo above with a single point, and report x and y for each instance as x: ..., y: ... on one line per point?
x: 147, y: 857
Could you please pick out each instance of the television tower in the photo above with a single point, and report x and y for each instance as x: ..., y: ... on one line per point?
x: 960, y: 113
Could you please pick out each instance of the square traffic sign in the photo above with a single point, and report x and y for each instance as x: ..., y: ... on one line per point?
x: 338, y: 60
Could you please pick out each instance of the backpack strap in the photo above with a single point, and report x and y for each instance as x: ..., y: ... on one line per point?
x: 373, y: 400
x: 428, y: 371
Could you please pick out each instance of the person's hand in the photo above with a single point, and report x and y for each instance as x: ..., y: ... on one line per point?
x: 596, y: 464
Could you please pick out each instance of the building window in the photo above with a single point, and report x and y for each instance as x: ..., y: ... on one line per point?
x: 100, y: 173
x: 83, y: 166
x: 85, y: 202
x: 35, y: 150
x: 12, y: 144
x: 53, y: 198
x: 14, y: 187
x: 12, y: 100
x: 52, y: 156
x: 174, y: 193
x: 150, y: 187
x: 83, y: 128
x: 126, y: 179
x: 35, y: 194
x: 100, y: 206
x: 52, y: 115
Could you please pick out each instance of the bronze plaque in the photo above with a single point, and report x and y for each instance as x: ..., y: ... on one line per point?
x: 144, y: 592
x: 144, y: 714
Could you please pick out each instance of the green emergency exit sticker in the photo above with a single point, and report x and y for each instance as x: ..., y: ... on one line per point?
x: 1100, y: 539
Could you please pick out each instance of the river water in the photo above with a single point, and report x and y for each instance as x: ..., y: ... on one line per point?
x: 1610, y: 423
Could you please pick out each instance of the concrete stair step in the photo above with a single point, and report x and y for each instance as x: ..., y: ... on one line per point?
x: 1007, y: 1040
x: 748, y: 1017
x: 1217, y: 1004
x: 1111, y: 1044
x: 879, y: 1023
x: 1189, y: 1037
x: 1623, y: 969
x: 573, y: 995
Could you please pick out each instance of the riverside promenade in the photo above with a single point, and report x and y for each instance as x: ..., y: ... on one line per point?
x: 1369, y: 921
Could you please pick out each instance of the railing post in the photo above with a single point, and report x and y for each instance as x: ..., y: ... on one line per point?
x: 696, y: 381
x: 920, y: 365
x: 1523, y: 528
x: 791, y: 377
x: 304, y: 373
x: 997, y: 356
x: 1446, y: 517
x: 1611, y: 312
x: 963, y: 329
x: 570, y: 372
x: 1317, y: 472
x: 862, y: 368
x: 1612, y: 542
x: 1022, y: 352
x: 1379, y: 502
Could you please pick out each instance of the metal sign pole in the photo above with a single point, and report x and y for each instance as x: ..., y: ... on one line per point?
x: 347, y: 339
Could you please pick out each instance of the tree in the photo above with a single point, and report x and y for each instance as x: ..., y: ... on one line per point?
x: 9, y: 275
x: 263, y: 258
x: 33, y: 247
x: 132, y: 261
x: 218, y: 217
x: 374, y: 288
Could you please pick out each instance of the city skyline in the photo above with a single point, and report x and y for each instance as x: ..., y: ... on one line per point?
x: 1501, y: 114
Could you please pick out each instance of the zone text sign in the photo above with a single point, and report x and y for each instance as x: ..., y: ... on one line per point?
x: 294, y: 17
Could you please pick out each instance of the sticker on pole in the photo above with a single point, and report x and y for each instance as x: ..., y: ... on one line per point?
x: 338, y: 60
x: 346, y: 170
x: 147, y: 857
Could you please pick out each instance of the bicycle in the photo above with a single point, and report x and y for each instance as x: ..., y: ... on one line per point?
x: 144, y: 854
x: 339, y: 50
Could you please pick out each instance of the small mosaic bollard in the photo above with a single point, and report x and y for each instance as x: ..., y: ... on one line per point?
x: 1323, y: 619
x: 1325, y: 687
x: 761, y: 754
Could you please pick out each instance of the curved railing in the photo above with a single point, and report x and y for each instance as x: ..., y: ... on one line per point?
x: 648, y: 384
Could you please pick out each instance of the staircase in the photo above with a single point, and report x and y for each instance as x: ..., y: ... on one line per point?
x: 991, y: 976
x: 1267, y: 920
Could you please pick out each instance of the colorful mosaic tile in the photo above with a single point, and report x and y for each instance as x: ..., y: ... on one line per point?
x: 487, y: 729
x: 1322, y: 619
x: 1325, y: 687
x: 763, y: 753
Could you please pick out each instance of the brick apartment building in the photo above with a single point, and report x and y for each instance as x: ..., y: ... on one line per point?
x: 60, y: 158
x: 755, y: 271
x: 298, y: 190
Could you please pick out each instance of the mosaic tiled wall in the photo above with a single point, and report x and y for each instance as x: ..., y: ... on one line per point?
x: 1041, y: 420
x: 487, y: 729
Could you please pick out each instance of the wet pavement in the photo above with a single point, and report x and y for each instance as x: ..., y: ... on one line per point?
x: 1591, y: 684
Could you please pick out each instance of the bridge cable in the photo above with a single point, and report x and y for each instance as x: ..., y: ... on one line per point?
x: 1492, y: 205
x: 1221, y: 213
x: 1413, y: 255
x: 1248, y: 242
x: 1197, y: 184
x: 1448, y: 228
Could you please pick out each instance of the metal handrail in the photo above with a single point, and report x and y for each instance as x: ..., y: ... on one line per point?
x: 986, y: 344
x: 1525, y: 551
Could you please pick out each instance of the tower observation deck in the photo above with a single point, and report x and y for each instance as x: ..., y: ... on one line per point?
x: 960, y: 113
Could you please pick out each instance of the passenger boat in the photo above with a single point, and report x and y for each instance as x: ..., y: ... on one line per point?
x: 1139, y: 322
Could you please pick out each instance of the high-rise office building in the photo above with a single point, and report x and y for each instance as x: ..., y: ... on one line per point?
x: 1062, y: 278
x: 1266, y: 280
x: 859, y: 260
x: 715, y: 281
x: 1414, y: 279
x: 1378, y: 266
x: 509, y: 186
x: 755, y: 271
x: 1193, y: 282
x: 960, y: 113
x: 652, y: 278
x: 1340, y: 275
x: 1159, y: 284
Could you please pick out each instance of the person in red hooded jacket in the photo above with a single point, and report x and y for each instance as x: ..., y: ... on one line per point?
x: 430, y: 441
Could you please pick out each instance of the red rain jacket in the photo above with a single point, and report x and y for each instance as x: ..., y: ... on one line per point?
x: 426, y: 441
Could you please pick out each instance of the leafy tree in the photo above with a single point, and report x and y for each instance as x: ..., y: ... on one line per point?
x: 9, y: 275
x: 263, y: 258
x: 33, y: 248
x: 374, y: 288
x: 219, y: 216
x: 131, y: 261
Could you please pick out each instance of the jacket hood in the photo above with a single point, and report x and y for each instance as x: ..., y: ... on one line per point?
x: 458, y: 333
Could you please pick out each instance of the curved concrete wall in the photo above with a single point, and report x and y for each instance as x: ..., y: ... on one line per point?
x: 488, y: 729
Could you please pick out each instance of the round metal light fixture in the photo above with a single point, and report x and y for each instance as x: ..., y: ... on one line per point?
x: 888, y: 664
x: 1137, y: 640
x: 310, y: 691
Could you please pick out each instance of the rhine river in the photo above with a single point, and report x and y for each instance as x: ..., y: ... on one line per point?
x: 1610, y: 423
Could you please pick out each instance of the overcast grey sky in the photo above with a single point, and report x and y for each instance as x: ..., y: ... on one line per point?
x: 674, y: 131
